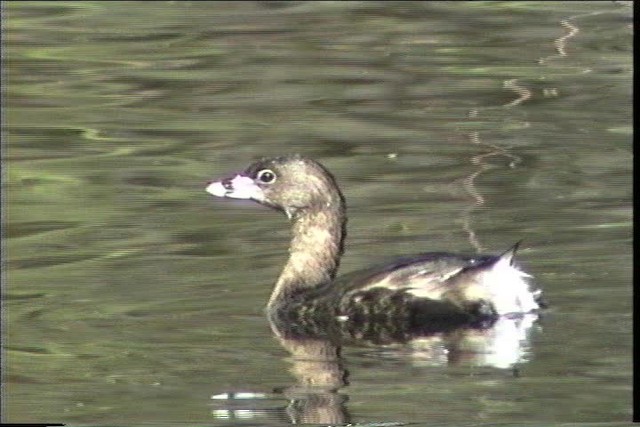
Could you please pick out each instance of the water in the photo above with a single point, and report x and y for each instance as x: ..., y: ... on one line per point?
x: 132, y: 296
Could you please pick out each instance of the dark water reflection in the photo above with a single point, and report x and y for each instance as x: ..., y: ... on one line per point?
x: 320, y: 374
x: 131, y: 296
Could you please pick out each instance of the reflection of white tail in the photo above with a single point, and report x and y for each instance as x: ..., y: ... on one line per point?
x: 504, y: 345
x: 507, y: 342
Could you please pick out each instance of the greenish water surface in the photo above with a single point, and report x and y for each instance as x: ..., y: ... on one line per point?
x: 131, y: 296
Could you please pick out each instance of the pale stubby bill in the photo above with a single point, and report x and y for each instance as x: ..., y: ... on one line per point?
x: 239, y: 187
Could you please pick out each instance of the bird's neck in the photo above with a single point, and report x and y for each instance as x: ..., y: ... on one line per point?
x: 314, y: 252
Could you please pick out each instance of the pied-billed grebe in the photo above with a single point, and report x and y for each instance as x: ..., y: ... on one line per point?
x: 411, y: 288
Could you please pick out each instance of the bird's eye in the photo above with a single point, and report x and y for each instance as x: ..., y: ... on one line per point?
x: 266, y: 176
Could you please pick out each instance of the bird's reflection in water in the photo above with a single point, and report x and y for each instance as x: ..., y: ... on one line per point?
x: 318, y: 394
